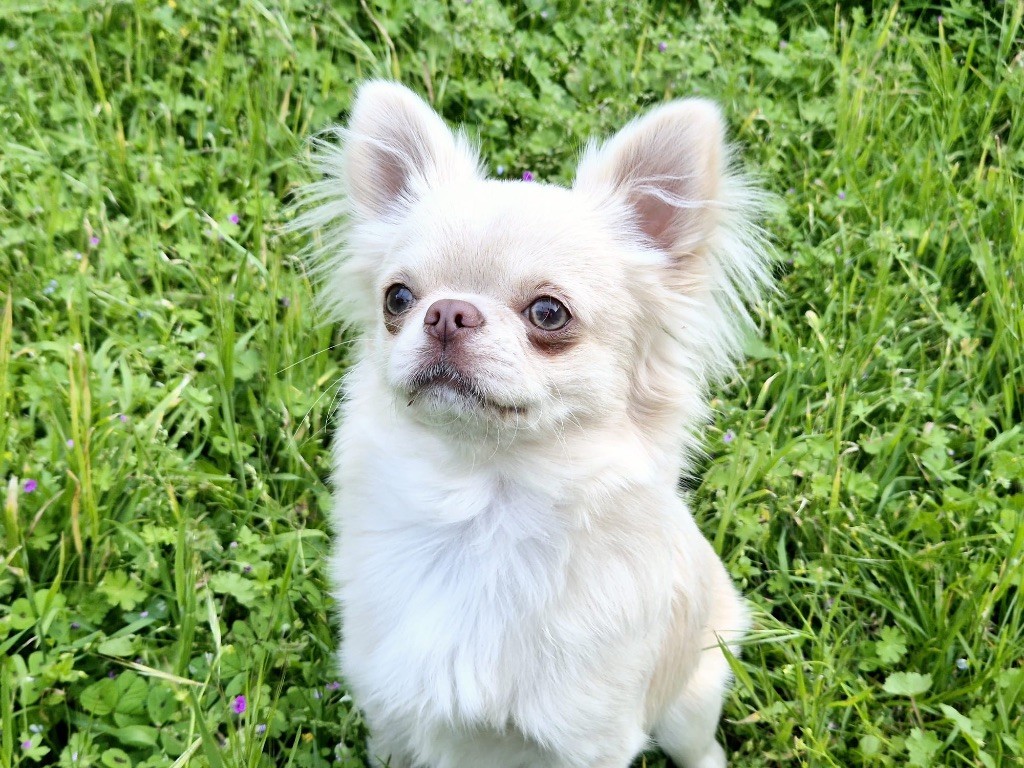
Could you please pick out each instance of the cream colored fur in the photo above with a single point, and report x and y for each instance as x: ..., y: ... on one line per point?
x: 521, y: 584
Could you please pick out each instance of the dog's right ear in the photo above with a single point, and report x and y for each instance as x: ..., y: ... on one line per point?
x: 397, y: 149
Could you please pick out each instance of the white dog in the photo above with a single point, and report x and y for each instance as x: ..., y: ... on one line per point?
x: 520, y: 583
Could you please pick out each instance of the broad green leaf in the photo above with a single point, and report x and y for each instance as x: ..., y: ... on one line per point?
x: 235, y: 585
x: 100, y: 698
x: 138, y: 735
x: 921, y: 747
x: 907, y: 683
x: 22, y: 616
x: 116, y: 758
x: 970, y: 730
x: 118, y: 646
x: 121, y: 591
x: 160, y: 704
x: 891, y: 646
x: 131, y: 693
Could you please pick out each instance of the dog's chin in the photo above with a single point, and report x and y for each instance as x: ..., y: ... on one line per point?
x: 441, y: 393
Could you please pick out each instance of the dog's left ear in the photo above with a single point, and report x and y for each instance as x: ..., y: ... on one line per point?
x: 668, y: 167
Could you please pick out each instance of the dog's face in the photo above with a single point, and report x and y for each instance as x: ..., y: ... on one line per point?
x: 506, y: 303
x: 521, y: 305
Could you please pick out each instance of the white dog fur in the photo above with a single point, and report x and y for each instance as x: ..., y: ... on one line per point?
x: 520, y: 583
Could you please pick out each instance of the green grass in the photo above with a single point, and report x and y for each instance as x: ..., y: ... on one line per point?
x: 166, y: 388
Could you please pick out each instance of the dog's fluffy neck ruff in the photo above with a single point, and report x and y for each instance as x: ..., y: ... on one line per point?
x: 568, y: 466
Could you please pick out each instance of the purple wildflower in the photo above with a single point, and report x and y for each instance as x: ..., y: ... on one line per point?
x: 123, y: 418
x: 261, y: 728
x: 783, y: 44
x: 729, y: 436
x: 26, y: 744
x: 233, y: 545
x: 234, y: 218
x: 111, y: 674
x: 527, y: 176
x: 94, y: 241
x: 842, y: 195
x: 29, y: 485
x: 70, y: 443
x: 247, y: 569
x: 238, y: 705
x: 75, y: 625
x: 662, y: 46
x: 144, y: 615
x: 333, y: 685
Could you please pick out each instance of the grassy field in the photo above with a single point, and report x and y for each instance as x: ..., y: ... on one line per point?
x: 166, y: 388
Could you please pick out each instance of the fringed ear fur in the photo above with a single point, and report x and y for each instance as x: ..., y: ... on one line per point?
x: 393, y: 151
x: 396, y: 149
x: 668, y: 166
x: 669, y: 170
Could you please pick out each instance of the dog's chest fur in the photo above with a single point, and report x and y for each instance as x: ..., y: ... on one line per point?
x: 467, y: 602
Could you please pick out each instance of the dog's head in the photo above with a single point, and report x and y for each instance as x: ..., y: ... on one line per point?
x: 526, y: 305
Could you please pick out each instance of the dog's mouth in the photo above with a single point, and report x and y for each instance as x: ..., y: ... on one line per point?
x: 444, y: 384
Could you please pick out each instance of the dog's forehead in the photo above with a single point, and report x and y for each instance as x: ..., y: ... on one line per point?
x: 493, y: 234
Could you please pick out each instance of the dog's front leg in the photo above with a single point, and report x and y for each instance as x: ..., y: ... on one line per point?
x: 614, y: 748
x: 383, y: 754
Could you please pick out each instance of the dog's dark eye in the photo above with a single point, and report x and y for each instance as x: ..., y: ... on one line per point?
x: 548, y: 314
x: 398, y: 299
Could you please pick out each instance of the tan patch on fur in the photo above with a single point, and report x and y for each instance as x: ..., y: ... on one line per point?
x: 677, y: 661
x: 696, y: 628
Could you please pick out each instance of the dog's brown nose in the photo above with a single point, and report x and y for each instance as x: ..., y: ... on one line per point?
x: 449, y: 318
